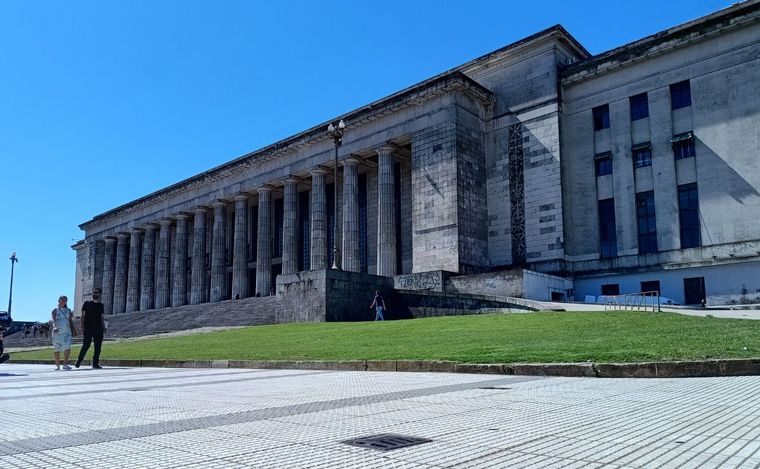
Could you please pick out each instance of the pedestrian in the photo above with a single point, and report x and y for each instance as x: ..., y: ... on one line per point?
x: 93, y: 327
x: 379, y: 304
x: 63, y: 331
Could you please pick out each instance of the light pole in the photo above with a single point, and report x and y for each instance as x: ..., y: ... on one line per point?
x: 14, y: 259
x: 336, y: 132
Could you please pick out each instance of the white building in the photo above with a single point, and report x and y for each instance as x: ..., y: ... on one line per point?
x: 636, y: 169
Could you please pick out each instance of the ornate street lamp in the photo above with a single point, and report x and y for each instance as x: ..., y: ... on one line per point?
x: 336, y: 132
x: 13, y: 259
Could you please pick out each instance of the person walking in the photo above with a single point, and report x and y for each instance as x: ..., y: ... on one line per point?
x: 379, y: 304
x: 93, y: 317
x: 63, y: 331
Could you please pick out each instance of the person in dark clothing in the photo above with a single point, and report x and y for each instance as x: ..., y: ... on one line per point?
x: 379, y: 304
x: 93, y: 317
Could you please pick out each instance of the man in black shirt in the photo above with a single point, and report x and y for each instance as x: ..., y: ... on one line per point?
x: 92, y: 327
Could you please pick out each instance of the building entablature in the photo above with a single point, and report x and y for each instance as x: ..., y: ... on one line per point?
x: 734, y: 17
x: 451, y: 83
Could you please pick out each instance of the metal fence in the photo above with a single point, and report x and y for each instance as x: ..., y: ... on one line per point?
x: 642, y: 301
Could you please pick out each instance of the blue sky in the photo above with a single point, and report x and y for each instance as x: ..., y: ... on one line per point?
x: 102, y: 102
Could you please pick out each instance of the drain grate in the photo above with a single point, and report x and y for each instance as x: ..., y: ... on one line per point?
x: 500, y: 388
x: 386, y: 441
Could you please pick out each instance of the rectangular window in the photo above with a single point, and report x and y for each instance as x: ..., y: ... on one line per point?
x: 639, y: 106
x: 610, y: 289
x: 601, y: 117
x: 651, y: 285
x: 642, y: 155
x: 603, y: 164
x: 646, y: 221
x: 607, y: 236
x: 688, y: 215
x: 680, y: 95
x: 683, y: 146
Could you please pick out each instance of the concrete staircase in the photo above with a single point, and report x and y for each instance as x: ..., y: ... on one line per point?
x: 245, y: 312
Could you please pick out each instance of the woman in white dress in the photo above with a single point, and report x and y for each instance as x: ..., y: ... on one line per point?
x: 63, y: 331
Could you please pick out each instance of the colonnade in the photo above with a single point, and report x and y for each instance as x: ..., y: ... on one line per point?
x: 142, y: 274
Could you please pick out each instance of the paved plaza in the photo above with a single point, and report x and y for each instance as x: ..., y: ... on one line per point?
x: 214, y: 418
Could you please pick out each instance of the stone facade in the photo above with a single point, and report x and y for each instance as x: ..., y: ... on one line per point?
x: 487, y: 167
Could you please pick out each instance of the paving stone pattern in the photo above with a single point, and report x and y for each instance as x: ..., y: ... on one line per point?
x: 126, y: 417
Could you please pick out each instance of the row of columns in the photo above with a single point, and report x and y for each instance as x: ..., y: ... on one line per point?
x: 131, y: 270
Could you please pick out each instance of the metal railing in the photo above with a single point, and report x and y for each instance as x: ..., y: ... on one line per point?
x: 642, y: 301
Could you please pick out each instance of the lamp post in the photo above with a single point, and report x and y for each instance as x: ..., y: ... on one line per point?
x: 13, y: 259
x: 336, y: 132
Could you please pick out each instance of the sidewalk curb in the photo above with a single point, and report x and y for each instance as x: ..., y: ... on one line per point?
x: 674, y: 369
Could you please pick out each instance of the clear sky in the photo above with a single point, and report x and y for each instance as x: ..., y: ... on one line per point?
x: 102, y: 102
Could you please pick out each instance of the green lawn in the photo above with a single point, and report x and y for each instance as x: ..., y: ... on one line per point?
x: 498, y: 338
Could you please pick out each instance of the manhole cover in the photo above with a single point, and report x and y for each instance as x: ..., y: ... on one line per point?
x: 386, y: 441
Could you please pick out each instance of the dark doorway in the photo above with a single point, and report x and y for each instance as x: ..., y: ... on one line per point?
x: 651, y: 285
x: 276, y: 270
x: 610, y: 289
x: 558, y: 296
x: 694, y: 290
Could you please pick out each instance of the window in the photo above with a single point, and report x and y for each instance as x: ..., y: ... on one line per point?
x: 607, y: 237
x: 646, y: 221
x: 642, y: 155
x: 651, y: 285
x: 688, y: 215
x: 683, y: 145
x: 610, y: 289
x: 603, y: 164
x: 639, y: 106
x: 601, y: 117
x: 680, y: 95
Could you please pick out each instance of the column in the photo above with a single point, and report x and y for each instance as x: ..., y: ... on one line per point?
x: 133, y: 275
x: 120, y: 275
x: 351, y: 261
x: 318, y: 220
x: 240, y: 248
x: 179, y: 269
x: 218, y: 265
x: 386, y: 226
x: 162, y: 269
x: 290, y: 227
x: 198, y: 274
x: 109, y: 270
x: 147, y: 279
x: 264, y: 242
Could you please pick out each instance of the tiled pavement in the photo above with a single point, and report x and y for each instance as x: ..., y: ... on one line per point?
x: 216, y: 418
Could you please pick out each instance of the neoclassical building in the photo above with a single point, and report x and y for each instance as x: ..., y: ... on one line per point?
x: 538, y: 170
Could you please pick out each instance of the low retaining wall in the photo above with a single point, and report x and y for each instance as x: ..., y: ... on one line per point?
x: 678, y: 369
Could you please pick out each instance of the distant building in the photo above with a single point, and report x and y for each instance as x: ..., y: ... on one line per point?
x: 547, y: 171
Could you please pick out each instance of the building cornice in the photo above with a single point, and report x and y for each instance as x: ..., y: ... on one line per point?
x: 452, y: 82
x: 733, y: 17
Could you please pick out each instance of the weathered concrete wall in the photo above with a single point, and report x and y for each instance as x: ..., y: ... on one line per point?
x: 328, y: 295
x: 349, y: 296
x: 422, y: 304
x: 302, y: 297
x: 430, y: 281
x: 539, y: 286
x: 505, y: 283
